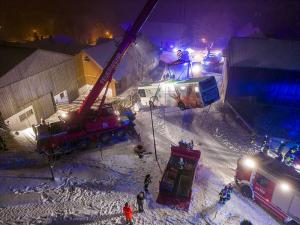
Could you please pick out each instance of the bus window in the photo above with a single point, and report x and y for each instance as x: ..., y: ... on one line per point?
x: 142, y: 93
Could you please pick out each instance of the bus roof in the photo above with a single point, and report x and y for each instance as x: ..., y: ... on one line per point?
x: 186, y: 81
x: 194, y: 80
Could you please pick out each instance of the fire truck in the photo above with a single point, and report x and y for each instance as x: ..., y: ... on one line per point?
x: 80, y: 127
x: 272, y: 184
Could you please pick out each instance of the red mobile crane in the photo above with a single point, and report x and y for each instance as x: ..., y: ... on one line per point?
x: 86, y: 124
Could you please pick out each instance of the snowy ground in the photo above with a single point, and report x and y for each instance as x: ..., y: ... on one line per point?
x: 92, y: 186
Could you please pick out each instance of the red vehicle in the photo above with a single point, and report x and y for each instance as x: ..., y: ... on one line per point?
x: 86, y: 124
x: 271, y: 184
x: 175, y: 188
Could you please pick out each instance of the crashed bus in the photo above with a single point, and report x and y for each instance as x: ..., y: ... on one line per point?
x: 185, y: 94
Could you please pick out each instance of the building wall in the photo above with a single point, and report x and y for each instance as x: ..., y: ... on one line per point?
x: 26, y: 86
x: 22, y: 119
x: 88, y: 72
x: 79, y: 70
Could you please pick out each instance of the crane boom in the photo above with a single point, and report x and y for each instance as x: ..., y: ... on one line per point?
x: 110, y: 68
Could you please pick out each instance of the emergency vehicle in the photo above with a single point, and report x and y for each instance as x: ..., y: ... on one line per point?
x: 272, y: 184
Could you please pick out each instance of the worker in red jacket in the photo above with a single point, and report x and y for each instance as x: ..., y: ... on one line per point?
x: 128, y: 214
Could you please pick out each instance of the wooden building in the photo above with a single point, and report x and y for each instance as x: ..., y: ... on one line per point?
x: 32, y: 82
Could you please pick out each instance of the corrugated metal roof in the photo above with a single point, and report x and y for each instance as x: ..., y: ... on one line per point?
x: 11, y: 56
x: 264, y: 53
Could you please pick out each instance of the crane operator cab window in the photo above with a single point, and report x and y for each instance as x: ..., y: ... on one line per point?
x: 107, y: 111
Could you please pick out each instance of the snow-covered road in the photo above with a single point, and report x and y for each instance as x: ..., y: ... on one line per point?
x: 90, y: 189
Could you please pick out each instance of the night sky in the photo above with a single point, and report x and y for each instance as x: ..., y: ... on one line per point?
x: 91, y: 18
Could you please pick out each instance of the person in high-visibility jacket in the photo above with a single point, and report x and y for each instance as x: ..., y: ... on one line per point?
x: 128, y: 213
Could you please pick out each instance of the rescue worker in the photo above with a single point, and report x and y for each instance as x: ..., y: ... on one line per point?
x: 229, y: 187
x: 43, y: 128
x: 280, y: 157
x: 181, y: 163
x: 281, y: 147
x: 140, y: 201
x: 225, y: 193
x: 2, y: 144
x: 222, y: 196
x: 147, y: 181
x: 291, y: 156
x: 128, y: 213
x: 191, y: 145
x: 246, y: 222
x: 266, y: 145
x: 139, y: 150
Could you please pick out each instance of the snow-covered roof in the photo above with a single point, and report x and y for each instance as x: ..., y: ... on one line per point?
x: 10, y: 56
x: 102, y: 53
x: 264, y: 53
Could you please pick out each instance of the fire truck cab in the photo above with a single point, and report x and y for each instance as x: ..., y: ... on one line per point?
x: 272, y: 184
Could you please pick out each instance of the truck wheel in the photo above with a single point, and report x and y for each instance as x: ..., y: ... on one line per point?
x: 292, y: 223
x: 120, y: 134
x: 105, y: 138
x: 181, y: 105
x: 83, y: 144
x: 246, y: 191
x: 131, y: 132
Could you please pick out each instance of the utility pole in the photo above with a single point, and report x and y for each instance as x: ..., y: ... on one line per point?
x: 151, y: 104
x: 51, y: 170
